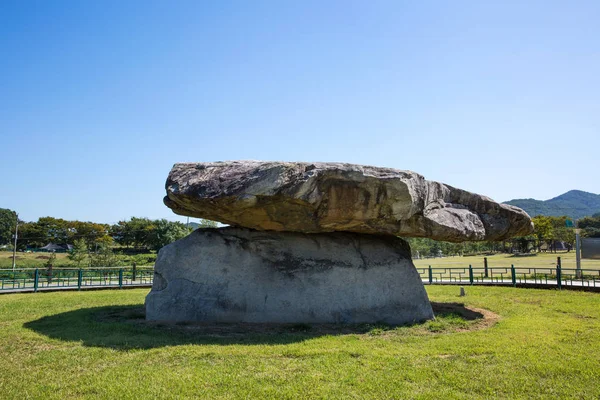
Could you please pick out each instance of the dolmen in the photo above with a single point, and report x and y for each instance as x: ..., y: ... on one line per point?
x: 310, y: 242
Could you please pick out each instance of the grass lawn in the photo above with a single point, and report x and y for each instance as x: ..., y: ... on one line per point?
x: 545, y: 344
x: 30, y: 260
x: 38, y: 260
x: 541, y: 260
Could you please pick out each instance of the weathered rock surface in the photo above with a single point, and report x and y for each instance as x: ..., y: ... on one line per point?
x: 328, y: 197
x: 242, y: 275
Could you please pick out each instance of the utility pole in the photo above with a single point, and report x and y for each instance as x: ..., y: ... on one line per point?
x: 15, y: 248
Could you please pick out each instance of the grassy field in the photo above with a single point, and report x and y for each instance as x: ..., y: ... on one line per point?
x: 30, y: 260
x: 96, y: 345
x: 541, y: 260
x: 37, y: 260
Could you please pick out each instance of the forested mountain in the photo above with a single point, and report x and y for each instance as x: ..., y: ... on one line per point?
x: 574, y: 204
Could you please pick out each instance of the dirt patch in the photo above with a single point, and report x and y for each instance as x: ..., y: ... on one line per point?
x: 489, y: 319
x: 480, y: 317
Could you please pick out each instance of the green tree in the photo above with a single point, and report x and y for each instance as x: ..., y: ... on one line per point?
x: 150, y: 234
x: 44, y: 231
x: 55, y: 230
x: 91, y: 232
x: 589, y: 222
x: 104, y: 257
x: 141, y: 231
x: 564, y: 234
x: 207, y: 223
x: 136, y: 232
x: 561, y: 232
x: 8, y: 219
x: 166, y: 232
x: 590, y: 225
x: 50, y: 261
x: 121, y: 233
x: 79, y: 252
x: 552, y: 229
x: 31, y: 235
x: 544, y: 230
x: 49, y: 266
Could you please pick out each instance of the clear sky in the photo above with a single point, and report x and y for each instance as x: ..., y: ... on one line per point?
x: 98, y: 99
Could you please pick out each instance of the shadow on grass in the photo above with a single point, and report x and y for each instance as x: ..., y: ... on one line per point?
x: 125, y: 328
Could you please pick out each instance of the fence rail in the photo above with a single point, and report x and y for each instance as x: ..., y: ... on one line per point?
x: 36, y: 279
x: 521, y: 276
x: 33, y: 280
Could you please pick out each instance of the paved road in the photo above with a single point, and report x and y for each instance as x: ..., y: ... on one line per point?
x: 87, y: 287
x: 541, y: 283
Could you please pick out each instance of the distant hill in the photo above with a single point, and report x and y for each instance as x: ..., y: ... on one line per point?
x: 574, y: 204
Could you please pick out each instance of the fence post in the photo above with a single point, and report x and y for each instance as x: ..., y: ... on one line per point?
x: 558, y: 275
x: 120, y: 278
x: 485, y: 267
x: 513, y: 275
x: 470, y: 274
x: 134, y: 272
x: 36, y: 279
x: 430, y: 275
x: 79, y: 278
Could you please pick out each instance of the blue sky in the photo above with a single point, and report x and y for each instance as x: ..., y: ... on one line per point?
x: 99, y: 99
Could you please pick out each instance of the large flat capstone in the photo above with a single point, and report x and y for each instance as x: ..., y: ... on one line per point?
x: 329, y: 197
x: 243, y: 275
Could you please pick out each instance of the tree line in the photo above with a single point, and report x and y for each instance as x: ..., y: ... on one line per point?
x: 590, y: 226
x: 142, y: 234
x: 135, y: 233
x: 549, y: 231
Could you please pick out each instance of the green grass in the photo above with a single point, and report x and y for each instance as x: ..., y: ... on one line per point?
x: 97, y: 345
x: 31, y: 260
x: 541, y: 260
x: 37, y: 260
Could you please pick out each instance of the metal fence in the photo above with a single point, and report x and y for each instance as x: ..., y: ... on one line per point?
x: 547, y: 276
x: 33, y: 280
